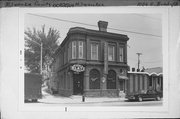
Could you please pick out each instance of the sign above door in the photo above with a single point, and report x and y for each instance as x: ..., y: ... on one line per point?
x: 77, y: 68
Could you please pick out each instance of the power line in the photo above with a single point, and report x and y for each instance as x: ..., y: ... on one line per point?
x: 95, y: 25
x: 63, y: 20
x: 135, y: 32
x: 154, y: 61
x: 132, y: 58
x: 156, y: 19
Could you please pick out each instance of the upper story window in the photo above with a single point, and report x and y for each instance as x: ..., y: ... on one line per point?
x: 80, y: 43
x: 111, y: 53
x: 74, y: 50
x: 121, y: 54
x: 69, y: 51
x: 94, y: 51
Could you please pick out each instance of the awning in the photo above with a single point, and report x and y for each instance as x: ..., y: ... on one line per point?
x: 123, y: 77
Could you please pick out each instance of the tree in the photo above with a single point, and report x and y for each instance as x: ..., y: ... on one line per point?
x: 32, y: 49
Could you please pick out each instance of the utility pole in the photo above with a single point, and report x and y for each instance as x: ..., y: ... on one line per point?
x: 138, y: 60
x: 41, y: 58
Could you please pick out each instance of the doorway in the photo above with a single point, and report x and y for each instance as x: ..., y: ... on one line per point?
x: 78, y: 83
x: 111, y: 79
x: 122, y: 86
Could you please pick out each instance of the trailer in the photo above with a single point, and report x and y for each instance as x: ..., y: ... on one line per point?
x: 141, y: 82
x: 137, y: 83
x: 32, y: 87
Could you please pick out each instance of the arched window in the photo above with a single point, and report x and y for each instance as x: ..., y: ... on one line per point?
x: 94, y: 79
x: 111, y: 79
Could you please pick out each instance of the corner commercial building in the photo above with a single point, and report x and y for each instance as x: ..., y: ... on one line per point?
x: 91, y: 62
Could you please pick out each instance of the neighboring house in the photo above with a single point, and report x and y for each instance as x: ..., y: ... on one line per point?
x: 91, y: 62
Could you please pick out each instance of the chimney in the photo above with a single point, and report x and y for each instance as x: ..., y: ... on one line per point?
x: 102, y: 26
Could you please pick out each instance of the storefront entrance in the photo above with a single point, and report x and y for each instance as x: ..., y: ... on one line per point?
x: 78, y: 83
x: 122, y: 86
x: 122, y: 82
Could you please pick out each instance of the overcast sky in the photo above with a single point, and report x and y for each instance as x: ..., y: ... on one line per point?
x: 149, y: 45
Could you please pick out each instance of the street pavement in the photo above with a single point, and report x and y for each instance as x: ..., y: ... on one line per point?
x: 76, y: 100
x: 56, y: 99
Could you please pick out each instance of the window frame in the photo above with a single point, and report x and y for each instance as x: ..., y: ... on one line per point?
x: 121, y: 56
x: 96, y: 52
x: 80, y: 48
x: 95, y: 75
x: 74, y: 47
x: 113, y: 53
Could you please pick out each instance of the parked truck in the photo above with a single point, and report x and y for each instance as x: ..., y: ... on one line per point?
x: 32, y: 87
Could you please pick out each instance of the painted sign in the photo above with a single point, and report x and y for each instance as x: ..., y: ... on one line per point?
x: 77, y: 68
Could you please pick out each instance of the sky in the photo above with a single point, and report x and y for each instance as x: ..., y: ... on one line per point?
x: 149, y: 45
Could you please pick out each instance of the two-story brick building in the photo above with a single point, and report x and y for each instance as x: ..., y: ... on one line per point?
x: 91, y: 62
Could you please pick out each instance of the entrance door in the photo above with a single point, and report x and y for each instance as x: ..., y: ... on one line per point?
x: 121, y: 82
x: 78, y: 83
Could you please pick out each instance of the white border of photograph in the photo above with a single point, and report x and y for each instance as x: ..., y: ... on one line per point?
x: 96, y: 10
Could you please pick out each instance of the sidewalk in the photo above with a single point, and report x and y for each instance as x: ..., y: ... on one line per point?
x: 52, y: 99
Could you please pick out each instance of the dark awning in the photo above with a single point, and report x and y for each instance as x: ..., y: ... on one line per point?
x: 123, y: 77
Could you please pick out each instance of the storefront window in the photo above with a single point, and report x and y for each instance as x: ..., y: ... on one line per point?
x: 94, y: 79
x: 94, y: 51
x: 111, y: 80
x: 110, y: 53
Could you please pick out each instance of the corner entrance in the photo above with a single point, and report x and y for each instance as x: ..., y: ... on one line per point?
x: 78, y: 83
